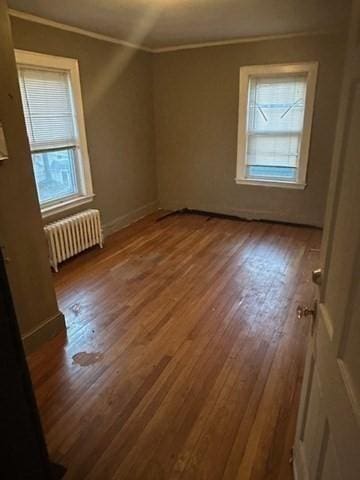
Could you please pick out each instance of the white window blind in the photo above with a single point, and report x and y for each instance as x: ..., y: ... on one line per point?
x: 275, y: 118
x: 48, y: 110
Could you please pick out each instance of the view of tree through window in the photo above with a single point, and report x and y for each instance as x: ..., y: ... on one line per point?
x: 55, y: 174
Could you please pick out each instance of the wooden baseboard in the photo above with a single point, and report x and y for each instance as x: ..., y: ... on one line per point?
x: 130, y: 217
x: 43, y: 332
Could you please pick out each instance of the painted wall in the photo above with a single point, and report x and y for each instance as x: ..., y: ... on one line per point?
x: 21, y: 232
x: 196, y: 116
x: 116, y: 86
x: 161, y: 125
x: 195, y: 97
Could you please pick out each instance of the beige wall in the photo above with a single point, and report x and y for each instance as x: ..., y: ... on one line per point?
x: 187, y: 101
x: 196, y: 108
x: 21, y: 232
x: 196, y: 104
x: 118, y: 106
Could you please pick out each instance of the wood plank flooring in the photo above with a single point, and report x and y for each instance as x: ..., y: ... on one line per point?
x: 183, y: 357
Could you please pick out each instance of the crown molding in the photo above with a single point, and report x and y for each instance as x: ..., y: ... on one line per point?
x: 69, y: 28
x: 98, y: 36
x: 236, y: 41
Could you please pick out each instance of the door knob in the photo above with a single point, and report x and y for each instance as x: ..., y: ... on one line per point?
x: 302, y: 312
x: 317, y: 276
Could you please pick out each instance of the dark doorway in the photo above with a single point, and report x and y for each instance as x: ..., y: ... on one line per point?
x: 23, y: 450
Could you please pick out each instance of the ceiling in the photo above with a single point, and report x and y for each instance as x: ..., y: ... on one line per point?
x: 167, y: 23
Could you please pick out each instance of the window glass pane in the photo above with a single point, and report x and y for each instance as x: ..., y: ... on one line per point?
x: 55, y: 174
x: 263, y: 172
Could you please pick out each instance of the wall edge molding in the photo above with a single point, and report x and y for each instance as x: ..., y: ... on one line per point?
x: 236, y: 41
x: 187, y: 46
x: 43, y: 332
x: 62, y: 26
x: 128, y: 218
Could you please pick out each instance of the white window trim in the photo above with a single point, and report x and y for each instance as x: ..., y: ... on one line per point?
x: 48, y: 62
x: 310, y: 68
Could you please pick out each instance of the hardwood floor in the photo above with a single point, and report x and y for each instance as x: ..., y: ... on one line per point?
x: 183, y: 357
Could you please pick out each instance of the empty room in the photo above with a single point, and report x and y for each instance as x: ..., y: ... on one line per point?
x: 180, y: 239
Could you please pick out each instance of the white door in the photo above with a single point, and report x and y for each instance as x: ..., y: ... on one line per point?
x: 327, y: 444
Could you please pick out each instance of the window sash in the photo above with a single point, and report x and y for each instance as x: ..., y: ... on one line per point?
x: 247, y: 133
x: 262, y: 154
x: 276, y: 103
x: 51, y: 126
x: 275, y: 116
x: 56, y: 175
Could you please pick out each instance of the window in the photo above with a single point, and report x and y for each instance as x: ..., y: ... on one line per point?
x: 275, y: 115
x: 51, y: 98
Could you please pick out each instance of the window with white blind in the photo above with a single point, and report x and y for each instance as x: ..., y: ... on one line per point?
x: 51, y: 98
x: 275, y: 114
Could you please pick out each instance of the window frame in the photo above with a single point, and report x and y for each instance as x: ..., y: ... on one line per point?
x: 82, y: 162
x: 247, y: 72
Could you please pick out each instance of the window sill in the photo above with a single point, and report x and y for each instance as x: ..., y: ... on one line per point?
x: 66, y: 205
x: 271, y: 183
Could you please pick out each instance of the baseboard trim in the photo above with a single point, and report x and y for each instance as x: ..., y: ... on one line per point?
x: 130, y: 217
x: 43, y: 332
x: 247, y: 214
